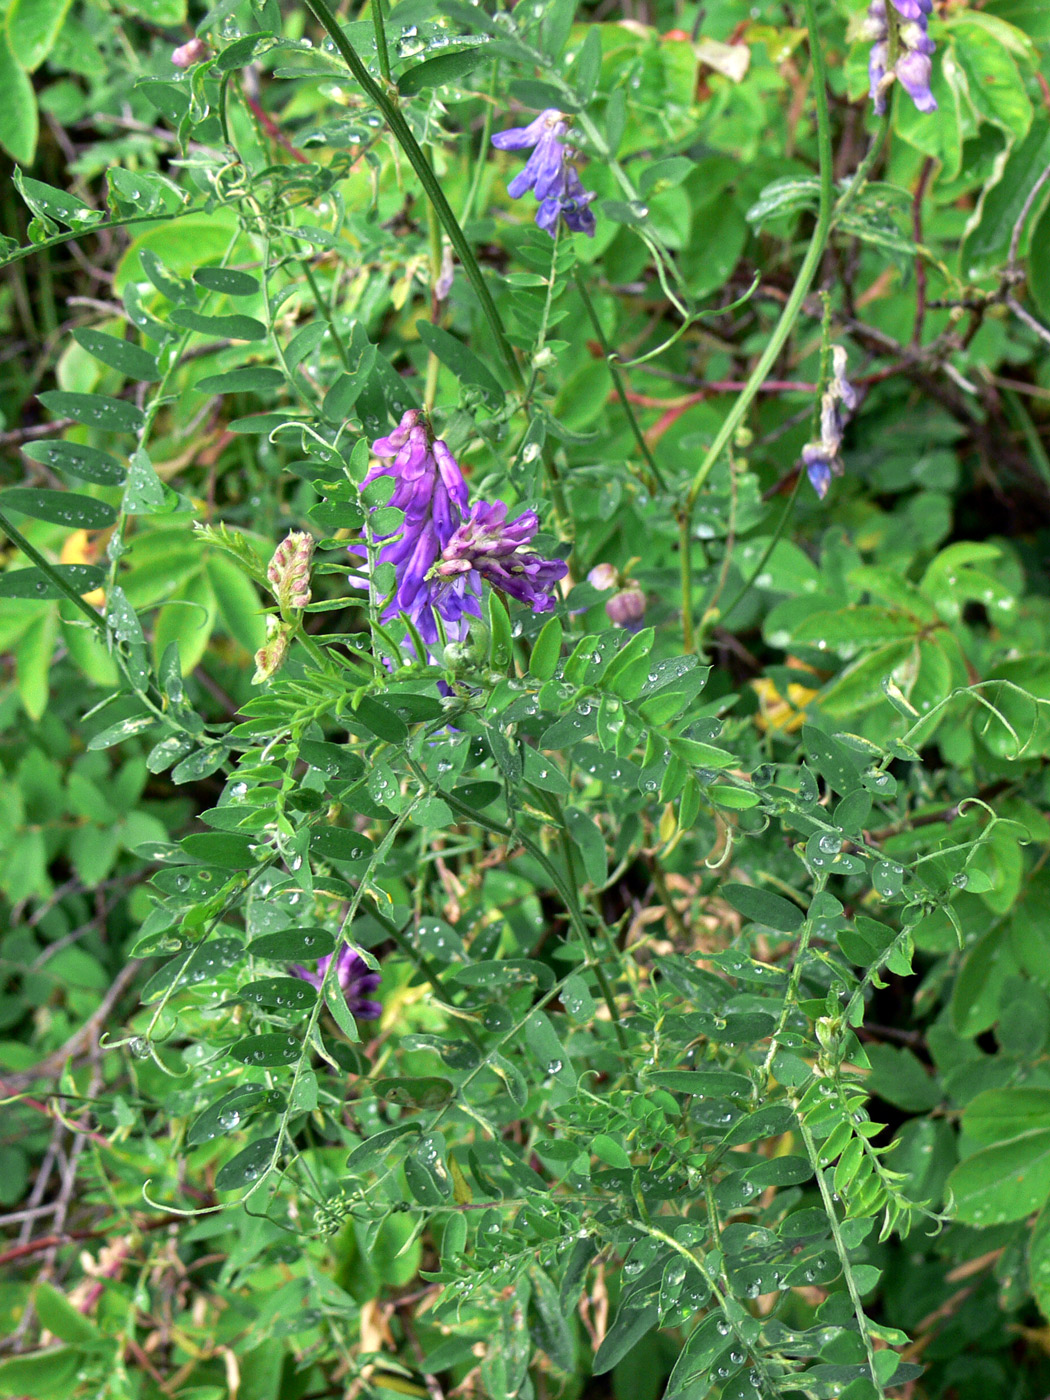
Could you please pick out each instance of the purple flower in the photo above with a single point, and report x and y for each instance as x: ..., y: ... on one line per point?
x: 489, y: 545
x: 821, y: 459
x: 819, y: 467
x: 432, y: 495
x: 912, y: 68
x: 355, y: 979
x: 547, y: 173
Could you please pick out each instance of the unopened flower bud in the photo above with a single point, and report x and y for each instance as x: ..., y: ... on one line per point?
x: 186, y: 55
x: 626, y: 608
x: 603, y: 576
x: 270, y: 657
x: 289, y: 571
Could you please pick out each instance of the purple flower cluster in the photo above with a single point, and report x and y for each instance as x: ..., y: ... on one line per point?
x: 444, y: 548
x: 913, y: 67
x: 548, y: 174
x: 821, y: 459
x: 355, y: 979
x: 486, y: 544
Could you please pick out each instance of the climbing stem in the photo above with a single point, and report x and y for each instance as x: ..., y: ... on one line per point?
x: 385, y: 98
x: 803, y: 281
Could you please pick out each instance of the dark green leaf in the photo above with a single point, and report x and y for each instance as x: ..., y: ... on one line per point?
x: 764, y: 907
x: 87, y: 463
x: 462, y: 361
x: 34, y: 583
x: 96, y: 410
x: 235, y: 327
x: 436, y: 72
x: 264, y: 1051
x: 59, y: 507
x: 293, y: 944
x: 248, y: 1165
x: 122, y: 355
x: 227, y: 280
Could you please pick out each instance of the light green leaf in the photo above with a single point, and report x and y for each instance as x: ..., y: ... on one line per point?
x: 32, y: 28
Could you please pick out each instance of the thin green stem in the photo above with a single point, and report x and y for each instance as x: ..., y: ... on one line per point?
x: 479, y: 164
x: 685, y: 564
x: 386, y: 102
x: 656, y: 480
x: 843, y: 1253
x: 803, y: 282
x: 380, y: 32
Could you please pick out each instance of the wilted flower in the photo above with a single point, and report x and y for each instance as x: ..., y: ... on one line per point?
x: 447, y: 275
x: 489, y: 545
x: 186, y: 55
x: 913, y: 67
x: 355, y: 978
x: 547, y: 173
x: 821, y: 459
x: 270, y: 657
x: 432, y: 494
x: 627, y: 607
x: 289, y: 570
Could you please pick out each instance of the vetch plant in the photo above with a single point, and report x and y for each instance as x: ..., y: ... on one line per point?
x: 676, y: 837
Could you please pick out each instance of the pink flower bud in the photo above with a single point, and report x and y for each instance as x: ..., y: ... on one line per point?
x: 603, y: 576
x: 270, y: 657
x: 626, y: 608
x: 289, y: 570
x: 186, y: 55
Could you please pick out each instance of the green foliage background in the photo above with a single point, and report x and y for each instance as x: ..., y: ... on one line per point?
x: 716, y: 1002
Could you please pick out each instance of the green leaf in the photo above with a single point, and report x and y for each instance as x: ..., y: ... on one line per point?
x: 996, y: 87
x: 49, y: 1373
x: 228, y: 1113
x: 32, y: 28
x: 86, y: 463
x: 990, y: 227
x: 765, y: 907
x: 280, y: 993
x: 249, y: 379
x: 34, y: 583
x: 59, y: 507
x: 235, y: 327
x: 293, y: 945
x: 145, y: 493
x: 49, y: 203
x: 436, y: 72
x: 998, y: 1114
x: 225, y: 849
x: 266, y: 1051
x: 463, y: 363
x: 340, y: 843
x: 1005, y: 1182
x: 501, y: 638
x: 122, y: 355
x: 1039, y: 1261
x: 588, y: 840
x: 248, y: 1165
x: 630, y: 1326
x: 380, y: 720
x: 788, y: 195
x: 58, y: 1315
x: 546, y: 651
x: 227, y: 280
x: 96, y: 410
x: 19, y: 123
